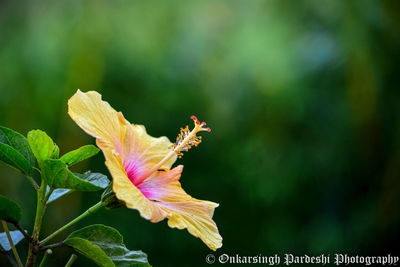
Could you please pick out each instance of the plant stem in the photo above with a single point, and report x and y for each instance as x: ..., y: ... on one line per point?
x: 89, y: 211
x: 33, y: 182
x: 47, y: 196
x: 45, y: 257
x: 71, y: 260
x: 28, y: 237
x: 40, y: 209
x: 14, y: 250
x: 55, y: 245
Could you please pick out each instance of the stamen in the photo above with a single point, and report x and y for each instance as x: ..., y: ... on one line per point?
x: 187, y: 139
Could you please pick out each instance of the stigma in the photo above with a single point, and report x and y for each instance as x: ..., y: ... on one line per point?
x: 187, y: 138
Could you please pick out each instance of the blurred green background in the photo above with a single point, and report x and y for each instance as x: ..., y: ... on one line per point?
x: 302, y: 98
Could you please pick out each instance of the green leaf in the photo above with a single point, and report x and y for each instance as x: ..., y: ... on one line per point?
x: 56, y: 152
x: 56, y: 174
x: 15, y: 159
x: 41, y: 144
x: 80, y: 154
x: 105, y: 246
x: 16, y: 237
x: 94, y: 178
x: 15, y: 150
x: 18, y: 142
x: 90, y: 250
x: 3, y: 137
x: 57, y: 193
x: 9, y: 210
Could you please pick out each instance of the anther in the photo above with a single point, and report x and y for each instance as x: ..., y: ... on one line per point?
x: 187, y: 139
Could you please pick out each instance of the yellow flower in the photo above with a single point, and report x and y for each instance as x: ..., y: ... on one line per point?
x: 141, y: 167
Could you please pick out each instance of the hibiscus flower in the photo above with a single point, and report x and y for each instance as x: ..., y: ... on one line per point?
x: 141, y: 167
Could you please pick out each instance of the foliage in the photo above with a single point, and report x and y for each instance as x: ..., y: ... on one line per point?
x: 105, y: 246
x: 16, y: 236
x: 102, y: 244
x: 79, y: 154
x: 9, y: 210
x: 15, y: 150
x: 57, y: 175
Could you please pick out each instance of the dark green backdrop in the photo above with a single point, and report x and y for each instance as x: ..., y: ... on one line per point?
x: 302, y: 98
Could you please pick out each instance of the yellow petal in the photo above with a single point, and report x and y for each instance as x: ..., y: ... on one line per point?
x: 127, y: 192
x: 97, y: 117
x: 194, y: 215
x: 183, y: 210
x: 113, y: 131
x: 171, y: 201
x: 140, y: 153
x: 155, y: 148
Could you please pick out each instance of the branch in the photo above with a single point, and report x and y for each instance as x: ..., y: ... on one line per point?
x: 28, y: 237
x: 33, y: 182
x: 46, y: 198
x: 71, y: 260
x: 40, y: 209
x: 14, y: 250
x: 55, y: 245
x: 88, y: 212
x: 45, y: 257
